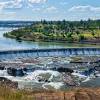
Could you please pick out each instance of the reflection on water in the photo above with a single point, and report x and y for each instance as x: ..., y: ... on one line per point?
x: 6, y: 43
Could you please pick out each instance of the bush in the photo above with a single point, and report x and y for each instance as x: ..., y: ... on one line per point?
x: 81, y: 37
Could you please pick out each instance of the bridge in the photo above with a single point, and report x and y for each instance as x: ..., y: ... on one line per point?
x: 24, y: 53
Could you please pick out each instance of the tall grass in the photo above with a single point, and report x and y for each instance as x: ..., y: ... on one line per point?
x: 7, y: 93
x: 11, y: 94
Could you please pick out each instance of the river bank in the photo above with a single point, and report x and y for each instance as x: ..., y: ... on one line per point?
x: 7, y: 93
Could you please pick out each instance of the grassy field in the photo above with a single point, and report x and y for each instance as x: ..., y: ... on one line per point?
x: 12, y: 94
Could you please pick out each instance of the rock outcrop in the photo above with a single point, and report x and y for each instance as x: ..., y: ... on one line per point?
x: 62, y: 69
x: 7, y: 83
x: 15, y: 72
x: 68, y: 80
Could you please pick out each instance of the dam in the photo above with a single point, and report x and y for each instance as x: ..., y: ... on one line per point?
x: 24, y: 53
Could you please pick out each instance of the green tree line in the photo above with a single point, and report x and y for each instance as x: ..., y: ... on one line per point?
x: 58, y: 31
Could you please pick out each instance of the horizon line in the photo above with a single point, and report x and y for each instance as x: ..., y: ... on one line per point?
x: 51, y: 20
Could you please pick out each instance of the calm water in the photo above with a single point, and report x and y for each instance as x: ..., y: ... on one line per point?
x: 6, y: 43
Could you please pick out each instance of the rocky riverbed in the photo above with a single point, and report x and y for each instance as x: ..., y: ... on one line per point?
x: 50, y: 72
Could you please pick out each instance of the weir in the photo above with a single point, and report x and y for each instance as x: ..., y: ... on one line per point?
x: 12, y: 54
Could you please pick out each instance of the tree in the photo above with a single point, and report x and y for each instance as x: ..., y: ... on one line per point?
x: 81, y: 37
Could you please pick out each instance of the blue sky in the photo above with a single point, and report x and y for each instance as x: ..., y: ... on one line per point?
x: 49, y: 9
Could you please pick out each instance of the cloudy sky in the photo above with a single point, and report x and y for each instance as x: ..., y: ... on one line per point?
x: 49, y: 9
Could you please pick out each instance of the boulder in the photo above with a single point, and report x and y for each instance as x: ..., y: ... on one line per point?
x: 8, y: 83
x: 15, y: 72
x: 31, y: 69
x: 2, y: 68
x: 88, y: 72
x: 62, y: 69
x: 97, y: 68
x: 67, y: 79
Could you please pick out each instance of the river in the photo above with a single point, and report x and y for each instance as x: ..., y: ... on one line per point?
x: 6, y: 43
x: 31, y: 81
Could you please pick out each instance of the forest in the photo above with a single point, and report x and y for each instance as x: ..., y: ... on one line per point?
x: 69, y: 31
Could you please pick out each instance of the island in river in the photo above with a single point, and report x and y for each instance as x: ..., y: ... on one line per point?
x: 67, y: 31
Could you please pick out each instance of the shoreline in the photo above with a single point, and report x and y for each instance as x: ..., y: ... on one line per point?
x: 74, y: 94
x: 91, y: 42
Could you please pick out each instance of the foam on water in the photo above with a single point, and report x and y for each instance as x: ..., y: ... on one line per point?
x: 56, y: 85
x: 32, y: 79
x: 3, y: 73
x: 79, y: 75
x: 34, y: 75
x: 87, y: 79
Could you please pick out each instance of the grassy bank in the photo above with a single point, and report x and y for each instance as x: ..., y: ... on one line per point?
x: 75, y: 94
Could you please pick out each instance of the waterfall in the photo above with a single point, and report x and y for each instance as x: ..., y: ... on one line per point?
x: 11, y: 54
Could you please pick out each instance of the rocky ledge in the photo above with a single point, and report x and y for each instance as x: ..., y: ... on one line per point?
x: 7, y: 83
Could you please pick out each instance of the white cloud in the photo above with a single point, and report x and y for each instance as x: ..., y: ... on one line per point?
x: 19, y: 3
x: 7, y: 14
x: 84, y: 9
x: 2, y: 5
x: 43, y: 9
x: 37, y: 1
x: 51, y: 9
x: 63, y: 3
x: 11, y: 4
x: 32, y: 2
x: 36, y: 9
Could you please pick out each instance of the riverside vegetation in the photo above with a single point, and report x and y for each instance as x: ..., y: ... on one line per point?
x: 69, y: 31
x: 74, y: 94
